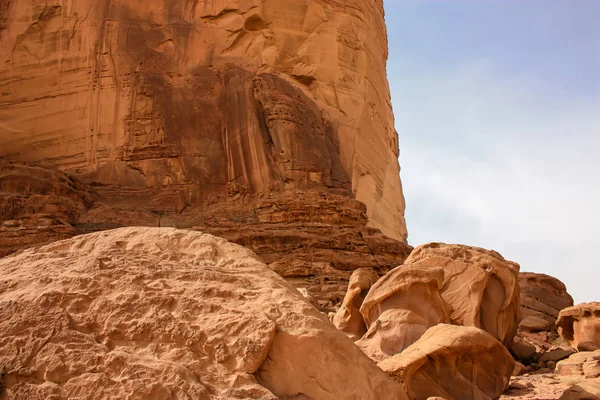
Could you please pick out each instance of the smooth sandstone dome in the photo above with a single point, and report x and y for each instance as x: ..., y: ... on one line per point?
x: 160, y: 313
x: 480, y: 285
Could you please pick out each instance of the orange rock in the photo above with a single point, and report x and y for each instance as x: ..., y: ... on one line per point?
x: 266, y: 122
x: 152, y: 313
x: 400, y: 308
x: 480, y: 286
x: 580, y: 325
x: 348, y: 318
x: 453, y: 362
x: 542, y: 298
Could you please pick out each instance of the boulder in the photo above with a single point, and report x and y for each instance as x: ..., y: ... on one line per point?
x: 400, y: 308
x: 542, y: 298
x: 522, y: 348
x: 585, y: 363
x: 348, y: 318
x: 156, y: 313
x: 453, y: 362
x: 580, y: 325
x: 588, y: 390
x: 480, y: 286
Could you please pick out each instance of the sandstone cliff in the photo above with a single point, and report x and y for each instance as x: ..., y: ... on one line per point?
x: 267, y: 122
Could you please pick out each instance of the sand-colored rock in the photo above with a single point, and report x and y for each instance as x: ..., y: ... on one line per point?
x: 542, y: 298
x: 155, y: 313
x: 586, y: 363
x: 588, y: 390
x: 267, y: 122
x: 453, y: 362
x: 400, y: 308
x: 348, y: 318
x: 580, y: 325
x: 480, y: 286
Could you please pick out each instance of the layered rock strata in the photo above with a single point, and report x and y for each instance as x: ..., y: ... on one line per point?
x: 542, y: 298
x: 155, y: 313
x: 267, y: 122
x: 452, y: 362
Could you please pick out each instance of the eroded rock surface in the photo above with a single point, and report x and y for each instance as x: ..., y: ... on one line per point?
x: 453, y: 362
x: 585, y: 363
x: 348, y: 318
x: 480, y: 286
x: 266, y: 122
x: 154, y: 313
x: 580, y: 325
x: 542, y: 298
x: 400, y: 308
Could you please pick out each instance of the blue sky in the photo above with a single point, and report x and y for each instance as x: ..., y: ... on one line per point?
x: 497, y: 105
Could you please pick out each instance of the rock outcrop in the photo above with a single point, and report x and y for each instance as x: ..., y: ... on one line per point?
x: 154, y: 313
x: 400, y: 308
x: 453, y: 362
x: 586, y: 363
x: 580, y: 325
x: 266, y: 122
x: 480, y: 286
x: 38, y: 206
x: 348, y: 318
x: 542, y: 298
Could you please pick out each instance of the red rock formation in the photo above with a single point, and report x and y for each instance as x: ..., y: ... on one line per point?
x: 480, y: 286
x: 268, y: 122
x: 580, y: 326
x: 453, y: 362
x: 542, y: 298
x: 156, y: 313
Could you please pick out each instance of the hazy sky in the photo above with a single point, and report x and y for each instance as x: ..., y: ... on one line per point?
x: 497, y: 105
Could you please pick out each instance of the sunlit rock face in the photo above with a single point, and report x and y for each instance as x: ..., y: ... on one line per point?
x: 170, y: 110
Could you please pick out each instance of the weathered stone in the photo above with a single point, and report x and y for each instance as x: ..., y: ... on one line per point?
x: 480, y: 286
x: 348, y: 318
x: 586, y: 363
x: 400, y: 308
x: 580, y: 324
x: 522, y: 348
x: 155, y: 313
x: 542, y: 298
x: 266, y: 122
x: 454, y: 362
x: 588, y: 390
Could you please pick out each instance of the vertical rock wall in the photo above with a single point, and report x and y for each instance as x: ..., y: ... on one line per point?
x: 194, y: 113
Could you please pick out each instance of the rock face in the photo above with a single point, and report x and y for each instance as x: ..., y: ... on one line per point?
x: 453, y: 362
x: 400, y: 308
x: 542, y: 298
x: 154, y: 313
x: 580, y: 325
x: 38, y: 206
x: 267, y: 122
x: 480, y: 286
